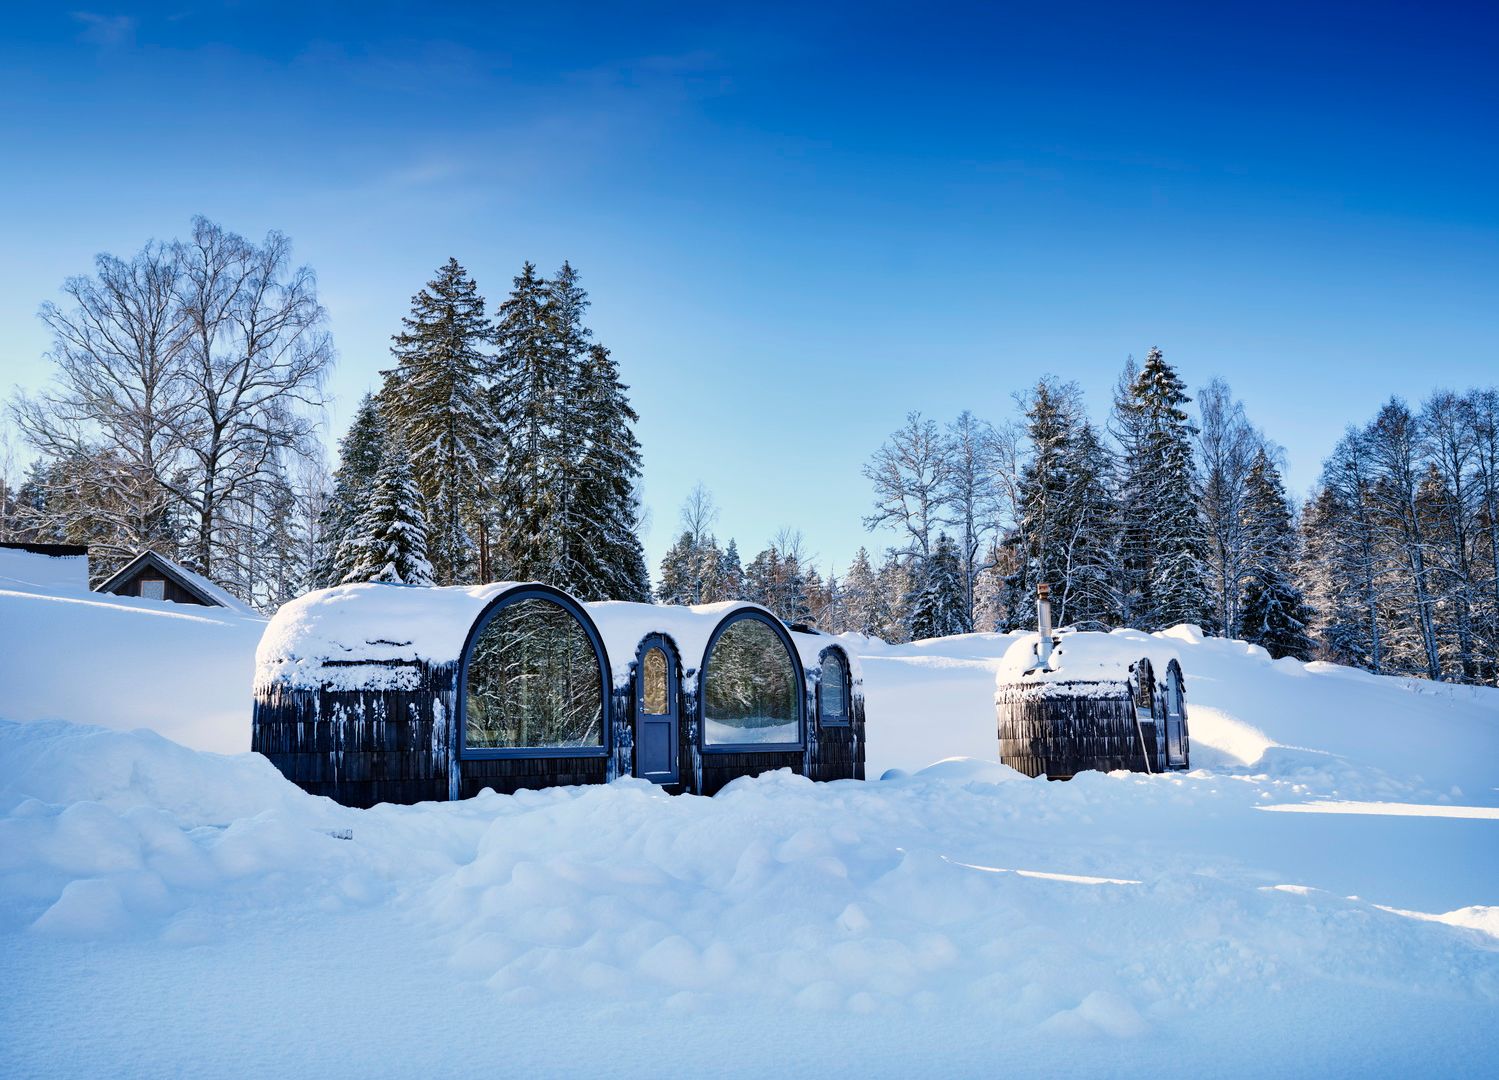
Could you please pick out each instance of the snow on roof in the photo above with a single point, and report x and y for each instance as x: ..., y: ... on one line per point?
x: 387, y: 627
x: 34, y: 571
x: 208, y: 590
x: 372, y: 635
x: 624, y: 625
x: 1091, y: 656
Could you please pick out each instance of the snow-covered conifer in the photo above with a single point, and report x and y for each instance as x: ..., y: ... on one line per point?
x: 437, y: 398
x: 390, y: 543
x: 1274, y: 612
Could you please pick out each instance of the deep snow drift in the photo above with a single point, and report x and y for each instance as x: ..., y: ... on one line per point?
x: 122, y: 661
x: 1318, y: 897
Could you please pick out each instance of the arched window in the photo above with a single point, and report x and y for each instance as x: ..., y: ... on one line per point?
x: 832, y: 691
x: 750, y: 694
x: 534, y: 681
x: 654, y: 700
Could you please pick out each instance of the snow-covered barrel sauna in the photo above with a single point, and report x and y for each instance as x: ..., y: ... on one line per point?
x: 388, y: 693
x: 1072, y: 702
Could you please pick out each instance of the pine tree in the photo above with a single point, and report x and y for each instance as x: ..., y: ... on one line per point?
x: 1274, y: 612
x: 570, y: 468
x: 602, y: 558
x: 1090, y: 540
x: 437, y: 398
x: 890, y: 611
x: 533, y: 387
x: 938, y: 606
x: 391, y: 541
x: 679, y: 582
x: 1163, y: 542
x: 860, y: 599
x: 359, y: 456
x: 762, y: 579
x: 731, y: 573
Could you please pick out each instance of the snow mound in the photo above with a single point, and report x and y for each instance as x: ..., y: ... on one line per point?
x: 181, y: 670
x: 33, y: 571
x: 923, y: 924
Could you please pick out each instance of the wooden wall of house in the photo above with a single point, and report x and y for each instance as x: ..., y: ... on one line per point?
x: 509, y: 775
x: 838, y: 752
x: 362, y: 746
x: 1044, y: 729
x: 131, y: 586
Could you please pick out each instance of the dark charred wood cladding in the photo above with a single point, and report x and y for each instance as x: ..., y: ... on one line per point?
x: 509, y: 775
x: 362, y: 746
x: 409, y: 729
x: 1046, y: 730
x: 1059, y: 728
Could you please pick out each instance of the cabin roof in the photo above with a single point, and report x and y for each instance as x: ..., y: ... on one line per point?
x: 208, y: 592
x: 374, y: 635
x: 625, y: 625
x: 350, y: 633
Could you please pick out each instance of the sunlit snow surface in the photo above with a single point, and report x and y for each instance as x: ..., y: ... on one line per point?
x: 165, y: 911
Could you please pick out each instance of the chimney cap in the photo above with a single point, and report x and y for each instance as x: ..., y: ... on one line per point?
x: 1043, y: 590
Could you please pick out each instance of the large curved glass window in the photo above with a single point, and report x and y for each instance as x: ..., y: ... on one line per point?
x: 750, y: 694
x: 533, y: 681
x: 832, y: 691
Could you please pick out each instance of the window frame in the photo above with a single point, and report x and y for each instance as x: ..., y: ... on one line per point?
x: 799, y: 684
x: 847, y: 681
x: 159, y: 584
x: 499, y: 753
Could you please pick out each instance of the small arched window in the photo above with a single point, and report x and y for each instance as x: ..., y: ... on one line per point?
x: 832, y: 692
x: 750, y: 688
x: 654, y: 700
x: 533, y: 681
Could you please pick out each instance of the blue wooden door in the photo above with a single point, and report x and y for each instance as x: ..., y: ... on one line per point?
x: 656, y: 716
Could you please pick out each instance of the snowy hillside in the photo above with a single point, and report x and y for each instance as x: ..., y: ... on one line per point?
x: 1319, y: 897
x: 122, y: 661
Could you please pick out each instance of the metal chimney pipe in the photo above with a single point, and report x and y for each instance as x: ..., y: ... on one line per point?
x: 1043, y: 616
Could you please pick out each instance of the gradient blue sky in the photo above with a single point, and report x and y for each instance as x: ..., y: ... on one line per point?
x: 799, y: 222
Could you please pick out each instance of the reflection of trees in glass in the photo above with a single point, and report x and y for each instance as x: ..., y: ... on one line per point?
x: 751, y: 684
x: 533, y: 680
x: 654, y: 698
x: 834, y: 698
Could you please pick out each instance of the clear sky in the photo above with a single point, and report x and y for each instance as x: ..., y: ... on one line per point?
x: 798, y: 222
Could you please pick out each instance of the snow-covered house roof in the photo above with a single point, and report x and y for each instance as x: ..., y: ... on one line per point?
x: 196, y: 585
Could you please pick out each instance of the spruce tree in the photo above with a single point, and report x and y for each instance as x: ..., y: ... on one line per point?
x: 1090, y: 541
x: 437, y: 398
x: 359, y: 455
x: 533, y: 387
x: 1274, y: 612
x: 679, y: 583
x: 938, y: 606
x: 390, y: 543
x: 1163, y: 542
x: 731, y: 573
x: 893, y: 595
x: 601, y: 557
x: 860, y: 599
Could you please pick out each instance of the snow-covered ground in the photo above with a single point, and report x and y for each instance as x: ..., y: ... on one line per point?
x: 1319, y: 897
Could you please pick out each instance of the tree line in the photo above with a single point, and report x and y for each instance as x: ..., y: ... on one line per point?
x: 500, y: 445
x: 1163, y: 516
x: 184, y: 412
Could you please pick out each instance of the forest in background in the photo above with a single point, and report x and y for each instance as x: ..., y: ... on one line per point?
x: 184, y: 416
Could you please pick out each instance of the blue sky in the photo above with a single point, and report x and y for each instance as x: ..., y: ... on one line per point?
x: 799, y: 222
